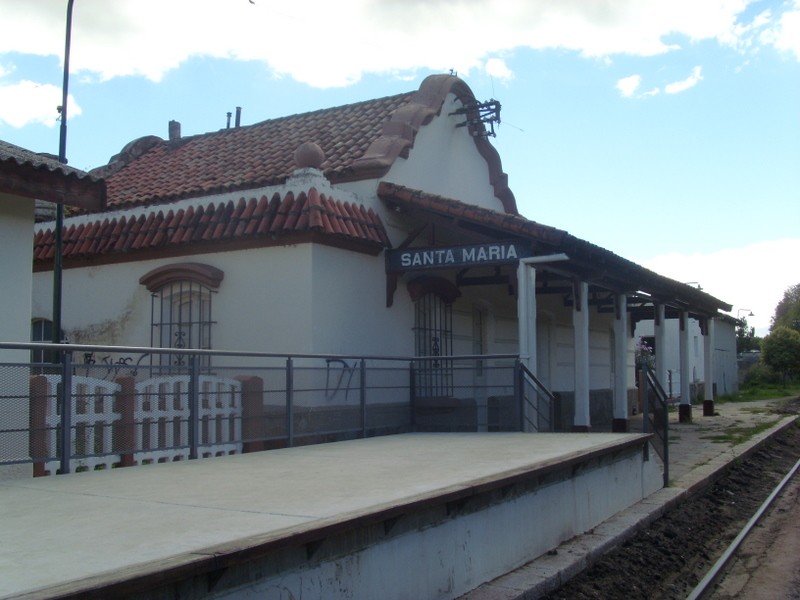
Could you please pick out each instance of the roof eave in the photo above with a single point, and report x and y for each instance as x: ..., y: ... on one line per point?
x: 42, y: 183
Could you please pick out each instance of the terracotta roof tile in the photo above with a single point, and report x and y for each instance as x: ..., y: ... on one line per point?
x: 360, y: 141
x: 245, y: 157
x: 214, y: 223
x: 509, y: 223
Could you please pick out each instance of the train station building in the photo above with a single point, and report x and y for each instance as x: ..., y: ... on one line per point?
x: 385, y: 227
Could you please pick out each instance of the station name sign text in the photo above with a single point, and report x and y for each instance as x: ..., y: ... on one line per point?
x: 498, y: 253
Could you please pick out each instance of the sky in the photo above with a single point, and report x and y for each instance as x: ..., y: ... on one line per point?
x: 665, y: 131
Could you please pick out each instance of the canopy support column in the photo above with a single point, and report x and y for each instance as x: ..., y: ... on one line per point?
x: 660, y: 350
x: 685, y: 407
x: 580, y: 328
x: 526, y: 308
x: 708, y: 369
x: 621, y: 339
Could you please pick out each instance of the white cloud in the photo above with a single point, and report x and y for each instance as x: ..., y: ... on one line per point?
x: 627, y: 86
x: 786, y: 35
x: 325, y: 44
x: 753, y: 277
x: 689, y: 82
x: 497, y: 67
x: 29, y: 102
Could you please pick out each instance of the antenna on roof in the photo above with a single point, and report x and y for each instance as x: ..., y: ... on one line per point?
x: 479, y: 114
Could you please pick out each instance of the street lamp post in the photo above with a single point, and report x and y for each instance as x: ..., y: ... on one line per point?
x: 58, y: 265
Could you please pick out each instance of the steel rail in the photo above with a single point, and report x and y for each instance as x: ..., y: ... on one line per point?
x: 716, y: 570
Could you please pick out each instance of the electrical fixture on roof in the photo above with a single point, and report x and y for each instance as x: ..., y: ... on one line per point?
x: 480, y: 113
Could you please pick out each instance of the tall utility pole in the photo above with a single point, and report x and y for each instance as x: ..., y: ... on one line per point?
x: 62, y: 158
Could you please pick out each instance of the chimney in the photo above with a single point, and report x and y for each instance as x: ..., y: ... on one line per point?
x: 238, y: 116
x: 174, y: 131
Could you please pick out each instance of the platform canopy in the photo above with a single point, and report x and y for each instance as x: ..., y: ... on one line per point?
x: 607, y: 274
x: 41, y: 177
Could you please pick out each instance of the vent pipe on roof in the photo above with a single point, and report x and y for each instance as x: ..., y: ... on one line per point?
x: 238, y: 116
x: 228, y: 123
x: 174, y: 131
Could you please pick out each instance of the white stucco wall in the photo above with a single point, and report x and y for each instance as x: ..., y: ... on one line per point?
x: 430, y: 165
x: 262, y: 304
x: 444, y: 160
x: 725, y: 366
x: 349, y: 313
x: 16, y: 230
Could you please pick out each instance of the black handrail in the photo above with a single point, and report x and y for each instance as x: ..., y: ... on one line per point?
x: 546, y: 417
x: 655, y: 414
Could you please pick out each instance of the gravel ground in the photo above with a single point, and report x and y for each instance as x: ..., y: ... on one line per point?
x: 668, y: 559
x: 767, y: 564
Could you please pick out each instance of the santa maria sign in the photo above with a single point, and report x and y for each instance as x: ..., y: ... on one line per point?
x: 496, y: 253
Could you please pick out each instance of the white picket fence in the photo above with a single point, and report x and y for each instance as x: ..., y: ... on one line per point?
x: 92, y: 419
x: 161, y: 417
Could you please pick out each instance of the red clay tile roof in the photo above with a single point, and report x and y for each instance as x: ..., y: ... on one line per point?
x: 360, y: 141
x: 30, y: 175
x: 275, y: 220
x: 512, y: 224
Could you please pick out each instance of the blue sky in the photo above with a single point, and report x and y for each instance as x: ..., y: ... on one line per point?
x: 665, y: 131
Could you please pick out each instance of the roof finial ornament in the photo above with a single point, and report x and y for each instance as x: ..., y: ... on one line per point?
x: 309, y: 154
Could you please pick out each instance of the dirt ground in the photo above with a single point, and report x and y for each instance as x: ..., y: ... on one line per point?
x: 668, y: 559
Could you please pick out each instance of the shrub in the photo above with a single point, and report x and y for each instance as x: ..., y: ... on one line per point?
x: 781, y: 351
x: 760, y: 374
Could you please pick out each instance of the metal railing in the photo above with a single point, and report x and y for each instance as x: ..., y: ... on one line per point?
x: 536, y: 402
x: 103, y: 407
x: 655, y: 414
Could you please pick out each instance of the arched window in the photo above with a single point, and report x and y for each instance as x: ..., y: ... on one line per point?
x: 181, y: 308
x: 433, y: 334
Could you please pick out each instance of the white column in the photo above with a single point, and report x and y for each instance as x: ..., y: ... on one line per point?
x: 526, y: 314
x: 621, y: 338
x: 685, y: 408
x: 526, y: 305
x: 708, y: 369
x: 580, y: 328
x: 660, y: 328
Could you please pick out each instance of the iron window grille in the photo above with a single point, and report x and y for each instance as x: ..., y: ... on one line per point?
x: 181, y: 318
x: 433, y: 333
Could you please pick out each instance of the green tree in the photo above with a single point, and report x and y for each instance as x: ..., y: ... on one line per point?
x: 746, y: 339
x: 781, y: 351
x: 787, y: 313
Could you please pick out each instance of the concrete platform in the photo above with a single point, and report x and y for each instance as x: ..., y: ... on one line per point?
x: 117, y: 533
x: 114, y: 533
x: 699, y: 453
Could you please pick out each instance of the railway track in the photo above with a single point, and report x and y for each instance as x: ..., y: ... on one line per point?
x: 670, y: 558
x: 705, y: 587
